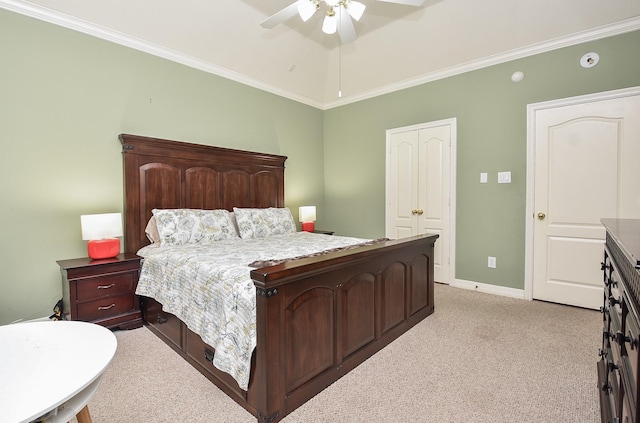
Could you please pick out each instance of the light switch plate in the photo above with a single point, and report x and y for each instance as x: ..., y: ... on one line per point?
x: 504, y: 177
x: 491, y: 262
x: 483, y: 178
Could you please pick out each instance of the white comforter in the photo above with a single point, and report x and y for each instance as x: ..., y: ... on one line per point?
x: 210, y: 289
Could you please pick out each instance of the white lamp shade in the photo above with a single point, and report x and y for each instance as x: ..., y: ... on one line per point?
x: 307, y: 214
x: 330, y: 24
x: 99, y: 226
x: 306, y: 9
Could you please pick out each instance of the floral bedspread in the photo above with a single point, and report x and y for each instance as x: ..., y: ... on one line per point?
x: 209, y: 288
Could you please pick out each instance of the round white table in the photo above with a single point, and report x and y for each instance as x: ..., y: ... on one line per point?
x: 50, y: 370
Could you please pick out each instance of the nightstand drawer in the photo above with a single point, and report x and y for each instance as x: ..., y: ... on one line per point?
x: 104, y: 286
x: 105, y: 307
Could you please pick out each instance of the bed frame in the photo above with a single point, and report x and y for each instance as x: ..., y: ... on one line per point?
x: 317, y: 318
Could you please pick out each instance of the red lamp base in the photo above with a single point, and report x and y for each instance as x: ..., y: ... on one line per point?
x: 103, y: 248
x: 308, y: 226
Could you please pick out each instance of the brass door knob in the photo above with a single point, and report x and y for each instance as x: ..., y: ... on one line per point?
x: 541, y: 216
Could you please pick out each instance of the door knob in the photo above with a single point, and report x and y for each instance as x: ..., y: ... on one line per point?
x: 541, y: 216
x: 420, y: 212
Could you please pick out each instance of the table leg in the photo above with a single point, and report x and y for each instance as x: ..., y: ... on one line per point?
x: 83, y: 416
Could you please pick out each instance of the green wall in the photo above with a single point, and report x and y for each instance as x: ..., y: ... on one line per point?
x: 491, y: 137
x: 65, y: 97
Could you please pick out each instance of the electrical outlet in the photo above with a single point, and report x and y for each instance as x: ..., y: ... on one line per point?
x: 491, y: 262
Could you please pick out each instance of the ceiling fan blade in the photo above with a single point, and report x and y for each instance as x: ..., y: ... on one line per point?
x: 405, y: 2
x: 345, y: 27
x: 281, y: 16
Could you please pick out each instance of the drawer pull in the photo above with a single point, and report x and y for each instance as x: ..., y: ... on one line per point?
x: 622, y: 339
x: 208, y: 355
x: 613, y: 301
x: 111, y: 285
x: 633, y: 342
x: 602, y: 353
x: 107, y: 307
x: 161, y: 319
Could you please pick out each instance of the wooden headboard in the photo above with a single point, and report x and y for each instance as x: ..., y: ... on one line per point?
x: 168, y: 174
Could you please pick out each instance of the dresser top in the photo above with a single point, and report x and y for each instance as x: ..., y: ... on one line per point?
x: 627, y: 234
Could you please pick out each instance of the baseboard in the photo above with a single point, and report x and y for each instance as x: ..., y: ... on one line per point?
x: 489, y: 289
x: 38, y: 319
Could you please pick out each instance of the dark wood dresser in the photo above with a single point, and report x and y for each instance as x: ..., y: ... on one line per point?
x: 618, y: 366
x: 102, y: 291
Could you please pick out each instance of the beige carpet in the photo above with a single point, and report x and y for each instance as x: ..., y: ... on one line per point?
x: 478, y: 358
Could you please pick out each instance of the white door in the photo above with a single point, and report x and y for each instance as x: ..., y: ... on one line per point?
x: 419, y: 187
x: 586, y: 167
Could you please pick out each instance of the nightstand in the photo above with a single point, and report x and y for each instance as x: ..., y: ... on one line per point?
x: 317, y: 231
x: 102, y: 291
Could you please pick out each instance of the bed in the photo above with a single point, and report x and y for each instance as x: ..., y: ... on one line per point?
x: 316, y: 317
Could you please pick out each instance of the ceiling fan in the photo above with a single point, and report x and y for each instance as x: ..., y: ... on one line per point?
x: 337, y: 18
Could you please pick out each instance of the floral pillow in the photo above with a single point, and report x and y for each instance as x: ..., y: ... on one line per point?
x: 191, y: 226
x: 260, y: 223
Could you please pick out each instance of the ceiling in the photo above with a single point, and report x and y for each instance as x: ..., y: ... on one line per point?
x: 398, y: 46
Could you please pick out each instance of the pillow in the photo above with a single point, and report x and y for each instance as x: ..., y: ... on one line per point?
x: 190, y: 226
x: 260, y: 223
x: 152, y: 231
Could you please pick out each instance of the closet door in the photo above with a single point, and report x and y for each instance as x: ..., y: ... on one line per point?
x: 402, y: 207
x: 418, y: 187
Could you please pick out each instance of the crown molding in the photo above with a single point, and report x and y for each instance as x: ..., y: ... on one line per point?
x: 85, y: 27
x: 617, y: 28
x: 66, y: 21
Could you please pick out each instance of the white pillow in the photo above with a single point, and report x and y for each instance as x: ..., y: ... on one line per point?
x: 192, y: 226
x: 260, y: 223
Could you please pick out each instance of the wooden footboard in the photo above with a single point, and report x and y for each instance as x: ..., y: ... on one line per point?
x: 317, y: 319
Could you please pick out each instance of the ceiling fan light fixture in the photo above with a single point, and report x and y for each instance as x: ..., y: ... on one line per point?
x: 335, y: 20
x: 355, y: 9
x: 306, y: 9
x: 330, y: 23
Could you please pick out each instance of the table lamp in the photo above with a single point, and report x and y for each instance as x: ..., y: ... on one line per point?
x: 307, y: 215
x: 101, y: 230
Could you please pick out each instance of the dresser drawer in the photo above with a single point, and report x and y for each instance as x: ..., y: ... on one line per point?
x: 607, y: 400
x: 629, y: 344
x: 614, y: 301
x: 105, y: 307
x: 108, y: 285
x: 615, y: 328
